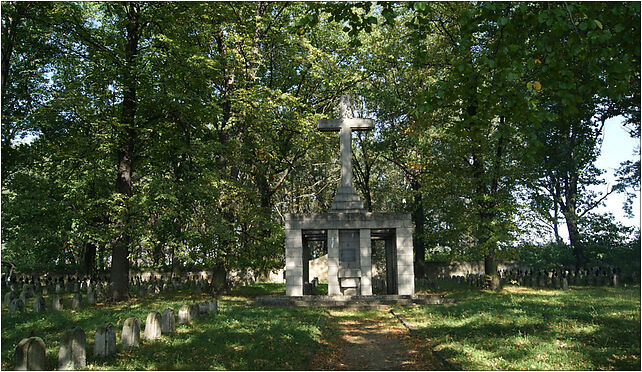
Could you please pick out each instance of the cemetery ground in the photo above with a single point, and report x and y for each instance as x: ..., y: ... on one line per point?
x: 517, y: 328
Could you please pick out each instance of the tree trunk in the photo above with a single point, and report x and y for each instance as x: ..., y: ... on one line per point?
x: 419, y: 220
x: 127, y: 139
x: 89, y: 259
x: 490, y: 269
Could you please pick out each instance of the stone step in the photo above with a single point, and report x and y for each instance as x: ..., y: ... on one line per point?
x: 349, y: 301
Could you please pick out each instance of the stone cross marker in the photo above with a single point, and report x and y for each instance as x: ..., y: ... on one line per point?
x: 346, y: 199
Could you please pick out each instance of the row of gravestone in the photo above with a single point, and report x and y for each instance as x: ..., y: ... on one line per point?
x: 57, y: 303
x: 72, y: 353
x: 69, y: 283
x: 94, y: 292
x: 542, y: 279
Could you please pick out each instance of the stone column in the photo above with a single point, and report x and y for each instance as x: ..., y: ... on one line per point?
x: 293, y: 262
x: 405, y: 269
x: 333, y: 262
x: 365, y: 250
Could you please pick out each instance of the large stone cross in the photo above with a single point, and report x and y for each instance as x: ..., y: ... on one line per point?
x: 345, y: 125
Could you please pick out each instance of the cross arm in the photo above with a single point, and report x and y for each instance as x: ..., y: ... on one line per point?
x: 334, y: 125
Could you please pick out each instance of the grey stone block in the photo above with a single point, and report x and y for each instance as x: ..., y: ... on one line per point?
x: 72, y: 354
x: 30, y: 355
x: 105, y: 341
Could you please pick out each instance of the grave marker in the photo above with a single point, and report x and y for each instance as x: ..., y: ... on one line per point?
x: 130, y: 337
x: 153, y: 326
x: 30, y: 355
x: 105, y: 341
x: 72, y: 354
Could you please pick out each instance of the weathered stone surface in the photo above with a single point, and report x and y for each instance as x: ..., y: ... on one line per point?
x: 91, y: 298
x: 38, y: 304
x: 564, y: 284
x: 76, y: 302
x: 193, y: 311
x: 57, y: 303
x: 30, y: 355
x: 72, y: 354
x: 153, y: 326
x: 23, y: 296
x: 17, y: 305
x: 203, y: 307
x: 213, y: 306
x: 105, y: 341
x: 183, y: 314
x: 130, y: 337
x: 168, y: 323
x: 8, y: 297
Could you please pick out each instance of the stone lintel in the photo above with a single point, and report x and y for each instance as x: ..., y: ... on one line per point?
x: 338, y: 220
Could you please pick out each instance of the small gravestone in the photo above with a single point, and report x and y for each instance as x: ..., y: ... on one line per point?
x: 184, y: 316
x: 564, y: 284
x: 615, y: 281
x: 105, y: 341
x: 193, y: 311
x: 17, y: 305
x: 76, y: 287
x: 203, y: 307
x: 23, y: 296
x: 57, y: 304
x: 8, y: 297
x: 72, y: 354
x: 168, y: 324
x: 76, y: 302
x: 130, y: 337
x: 38, y: 304
x: 91, y: 298
x: 58, y: 288
x: 45, y: 291
x: 557, y: 283
x: 213, y: 307
x: 30, y: 355
x: 153, y: 326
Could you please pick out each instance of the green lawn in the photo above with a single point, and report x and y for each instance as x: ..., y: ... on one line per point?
x: 518, y: 328
x: 530, y: 329
x: 238, y: 337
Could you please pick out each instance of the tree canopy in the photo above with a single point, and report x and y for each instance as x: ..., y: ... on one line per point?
x: 175, y: 135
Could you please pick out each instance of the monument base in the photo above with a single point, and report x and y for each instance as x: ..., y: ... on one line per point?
x: 357, y: 230
x: 349, y: 301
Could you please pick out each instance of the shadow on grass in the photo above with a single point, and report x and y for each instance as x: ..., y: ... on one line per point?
x: 238, y: 337
x: 585, y: 328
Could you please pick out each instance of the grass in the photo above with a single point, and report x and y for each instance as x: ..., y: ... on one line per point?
x: 530, y: 329
x: 515, y: 329
x: 238, y: 337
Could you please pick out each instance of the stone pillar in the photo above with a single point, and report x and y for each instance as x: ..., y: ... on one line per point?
x: 365, y: 250
x: 293, y: 262
x: 405, y: 269
x: 333, y: 262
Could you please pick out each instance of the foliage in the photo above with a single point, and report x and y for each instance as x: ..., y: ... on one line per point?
x: 526, y: 329
x: 547, y: 256
x: 177, y: 135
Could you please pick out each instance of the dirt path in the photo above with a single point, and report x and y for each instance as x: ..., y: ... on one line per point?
x: 372, y: 340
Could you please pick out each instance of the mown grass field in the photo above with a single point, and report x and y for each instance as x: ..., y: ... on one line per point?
x: 535, y: 329
x: 238, y: 337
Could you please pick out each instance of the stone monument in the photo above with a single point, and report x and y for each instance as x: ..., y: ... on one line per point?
x: 348, y: 229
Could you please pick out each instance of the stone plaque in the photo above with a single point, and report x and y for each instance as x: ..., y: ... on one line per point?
x: 349, y: 248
